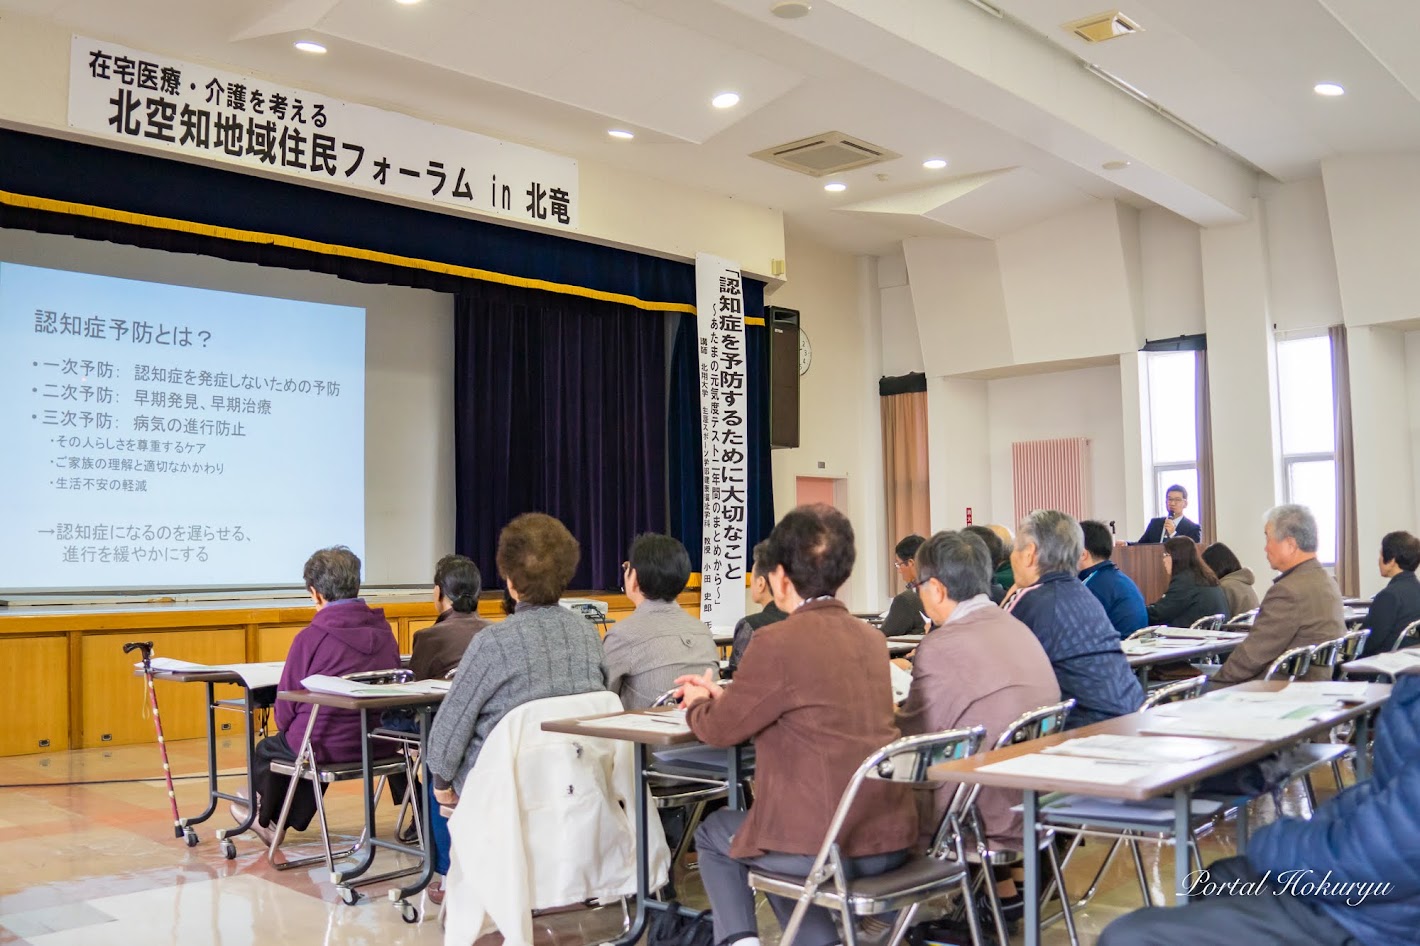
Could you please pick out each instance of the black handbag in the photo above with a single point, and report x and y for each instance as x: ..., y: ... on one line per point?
x: 672, y: 927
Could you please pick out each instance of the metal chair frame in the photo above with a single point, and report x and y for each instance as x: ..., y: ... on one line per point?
x: 1408, y: 635
x: 903, y: 762
x: 1291, y: 664
x: 1209, y: 622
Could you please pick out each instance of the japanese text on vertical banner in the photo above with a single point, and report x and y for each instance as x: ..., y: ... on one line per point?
x: 161, y: 102
x: 719, y: 298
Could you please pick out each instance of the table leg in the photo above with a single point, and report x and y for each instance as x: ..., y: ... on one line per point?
x: 1182, y: 809
x: 733, y: 793
x: 245, y: 824
x: 212, y: 792
x: 1031, y: 850
x: 424, y: 807
x: 1362, y: 739
x: 643, y: 851
x: 1143, y: 674
x: 366, y: 855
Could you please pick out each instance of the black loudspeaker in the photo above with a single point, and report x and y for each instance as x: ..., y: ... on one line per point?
x: 783, y: 325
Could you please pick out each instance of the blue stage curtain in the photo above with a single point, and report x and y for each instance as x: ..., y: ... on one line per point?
x: 683, y: 436
x: 559, y: 407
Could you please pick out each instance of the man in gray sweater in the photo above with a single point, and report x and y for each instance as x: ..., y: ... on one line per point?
x: 541, y: 650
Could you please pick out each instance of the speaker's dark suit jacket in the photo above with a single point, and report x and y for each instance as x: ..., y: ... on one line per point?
x: 1155, y: 533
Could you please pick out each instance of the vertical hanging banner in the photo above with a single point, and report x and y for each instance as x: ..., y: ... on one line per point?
x: 719, y: 304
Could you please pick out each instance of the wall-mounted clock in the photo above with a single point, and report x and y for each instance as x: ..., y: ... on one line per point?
x: 806, y: 352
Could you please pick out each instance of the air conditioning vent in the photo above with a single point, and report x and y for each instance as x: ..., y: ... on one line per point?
x: 824, y: 154
x: 1103, y: 27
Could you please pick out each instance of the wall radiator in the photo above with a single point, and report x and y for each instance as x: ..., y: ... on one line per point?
x: 1051, y: 474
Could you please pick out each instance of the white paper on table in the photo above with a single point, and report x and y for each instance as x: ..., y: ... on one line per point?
x: 258, y: 674
x: 1226, y: 726
x: 1161, y: 749
x: 1071, y: 769
x: 1390, y: 663
x: 170, y: 665
x: 1351, y: 690
x: 901, y: 682
x: 320, y: 683
x: 672, y: 723
x: 1186, y: 633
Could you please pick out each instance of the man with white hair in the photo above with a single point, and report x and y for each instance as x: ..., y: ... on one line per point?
x: 1302, y: 608
x: 1069, y: 621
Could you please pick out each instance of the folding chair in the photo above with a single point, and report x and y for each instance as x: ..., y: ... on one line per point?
x: 1241, y: 622
x: 306, y: 768
x: 1033, y: 725
x: 920, y: 878
x: 1409, y: 635
x: 1211, y: 622
x: 1290, y: 664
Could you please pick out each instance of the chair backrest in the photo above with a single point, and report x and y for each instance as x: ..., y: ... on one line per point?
x: 453, y: 672
x: 1209, y: 622
x: 667, y: 698
x: 1244, y: 620
x: 381, y: 677
x: 1176, y: 692
x: 1041, y: 721
x: 1290, y: 664
x: 1349, y: 646
x: 1409, y: 635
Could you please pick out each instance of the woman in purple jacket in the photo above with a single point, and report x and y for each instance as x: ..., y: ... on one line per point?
x: 345, y: 636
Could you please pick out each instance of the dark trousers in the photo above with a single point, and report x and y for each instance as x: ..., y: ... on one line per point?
x: 1264, y: 914
x: 271, y: 787
x: 726, y: 882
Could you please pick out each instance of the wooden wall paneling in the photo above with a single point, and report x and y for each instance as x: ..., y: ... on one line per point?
x: 38, y: 694
x: 273, y: 642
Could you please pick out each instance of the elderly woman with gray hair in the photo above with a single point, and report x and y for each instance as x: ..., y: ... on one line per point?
x: 1069, y: 621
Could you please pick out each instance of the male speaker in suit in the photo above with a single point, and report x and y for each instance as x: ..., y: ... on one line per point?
x: 1175, y: 523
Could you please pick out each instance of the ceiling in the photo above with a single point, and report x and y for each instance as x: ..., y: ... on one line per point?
x: 1025, y: 128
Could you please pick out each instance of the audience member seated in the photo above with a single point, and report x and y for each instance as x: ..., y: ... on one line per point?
x: 762, y: 595
x: 1193, y: 590
x: 1121, y: 598
x: 904, y: 615
x: 1398, y: 603
x: 1301, y: 609
x: 540, y: 650
x: 650, y: 648
x: 345, y: 636
x: 1235, y: 580
x: 1001, y: 569
x: 996, y: 550
x: 1069, y: 622
x: 1347, y: 875
x: 814, y: 694
x: 1163, y: 528
x: 980, y: 666
x: 438, y: 649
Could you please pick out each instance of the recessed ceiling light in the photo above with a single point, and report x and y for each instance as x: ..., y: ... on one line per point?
x: 834, y: 187
x: 1115, y: 165
x: 791, y: 9
x: 934, y: 164
x: 621, y: 133
x: 306, y: 46
x: 1328, y: 89
x: 726, y: 100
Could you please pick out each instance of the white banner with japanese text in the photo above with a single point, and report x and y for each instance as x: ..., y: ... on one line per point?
x: 117, y: 93
x: 719, y: 303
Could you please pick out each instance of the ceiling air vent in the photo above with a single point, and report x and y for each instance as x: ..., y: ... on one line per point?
x: 828, y: 153
x: 1103, y: 26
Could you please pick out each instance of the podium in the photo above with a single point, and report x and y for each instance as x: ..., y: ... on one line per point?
x: 1145, y: 565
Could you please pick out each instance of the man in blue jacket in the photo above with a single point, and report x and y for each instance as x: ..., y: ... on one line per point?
x: 1349, y: 875
x: 1117, y: 592
x: 1070, y: 623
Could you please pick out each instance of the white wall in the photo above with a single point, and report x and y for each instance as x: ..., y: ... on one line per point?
x: 1242, y: 384
x: 1301, y: 264
x: 959, y: 452
x: 1373, y: 204
x: 617, y: 207
x: 1172, y: 275
x: 840, y: 429
x: 902, y: 348
x: 1380, y: 414
x: 409, y: 384
x: 960, y: 304
x: 1080, y: 403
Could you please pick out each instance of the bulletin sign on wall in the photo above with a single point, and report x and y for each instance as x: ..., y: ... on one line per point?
x: 161, y: 102
x: 719, y: 303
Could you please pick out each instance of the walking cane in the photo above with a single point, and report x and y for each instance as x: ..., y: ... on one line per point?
x: 146, y: 648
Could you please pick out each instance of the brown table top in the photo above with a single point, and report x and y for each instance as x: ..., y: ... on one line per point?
x: 341, y: 701
x: 576, y: 727
x: 1161, y: 780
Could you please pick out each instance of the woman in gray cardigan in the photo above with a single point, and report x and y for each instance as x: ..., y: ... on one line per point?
x: 541, y: 650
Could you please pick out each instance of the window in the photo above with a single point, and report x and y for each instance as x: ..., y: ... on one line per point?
x: 1173, y: 430
x: 1307, y: 411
